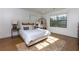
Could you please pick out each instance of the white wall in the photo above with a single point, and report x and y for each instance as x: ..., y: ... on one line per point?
x: 72, y: 22
x: 6, y: 17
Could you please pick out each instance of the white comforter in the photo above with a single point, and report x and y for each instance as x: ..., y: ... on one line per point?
x: 31, y: 35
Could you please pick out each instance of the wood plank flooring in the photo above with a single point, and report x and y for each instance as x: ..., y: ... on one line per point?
x: 71, y: 43
x: 9, y: 44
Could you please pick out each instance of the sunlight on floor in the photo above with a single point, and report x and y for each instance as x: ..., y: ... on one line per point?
x: 52, y: 39
x: 41, y: 45
x: 46, y: 43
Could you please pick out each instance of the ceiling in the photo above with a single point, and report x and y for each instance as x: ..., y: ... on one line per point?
x: 43, y: 10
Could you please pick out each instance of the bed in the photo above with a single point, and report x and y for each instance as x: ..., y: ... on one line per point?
x: 30, y: 34
x: 33, y: 36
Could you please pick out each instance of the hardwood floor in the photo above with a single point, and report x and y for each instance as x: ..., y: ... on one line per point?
x: 9, y: 44
x: 71, y: 43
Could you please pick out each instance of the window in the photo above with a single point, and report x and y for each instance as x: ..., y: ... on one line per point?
x: 59, y: 21
x: 31, y: 17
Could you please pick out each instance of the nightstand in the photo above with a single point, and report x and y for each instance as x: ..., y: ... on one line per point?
x: 14, y: 29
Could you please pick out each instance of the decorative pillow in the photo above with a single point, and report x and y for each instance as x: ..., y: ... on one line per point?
x: 26, y: 28
x: 23, y: 27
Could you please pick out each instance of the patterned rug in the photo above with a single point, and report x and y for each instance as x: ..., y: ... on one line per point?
x: 49, y: 44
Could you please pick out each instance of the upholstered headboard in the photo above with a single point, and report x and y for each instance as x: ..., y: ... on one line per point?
x: 27, y: 23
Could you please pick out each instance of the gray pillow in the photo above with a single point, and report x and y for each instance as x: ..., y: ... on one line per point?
x: 26, y: 28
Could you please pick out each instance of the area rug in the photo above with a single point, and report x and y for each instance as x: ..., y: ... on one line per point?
x: 49, y: 44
